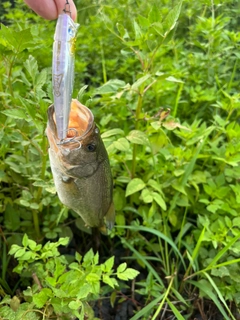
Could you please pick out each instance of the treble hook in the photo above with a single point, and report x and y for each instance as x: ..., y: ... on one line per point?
x: 69, y: 140
x: 67, y: 8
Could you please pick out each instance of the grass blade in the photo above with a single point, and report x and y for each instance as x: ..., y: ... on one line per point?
x: 175, y: 311
x: 211, y: 295
x: 145, y: 262
x: 147, y: 308
x: 218, y: 293
x: 158, y: 234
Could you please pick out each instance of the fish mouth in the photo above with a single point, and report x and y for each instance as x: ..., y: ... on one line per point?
x: 81, y: 121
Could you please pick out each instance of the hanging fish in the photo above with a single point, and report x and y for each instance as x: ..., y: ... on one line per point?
x: 80, y: 168
x: 78, y: 158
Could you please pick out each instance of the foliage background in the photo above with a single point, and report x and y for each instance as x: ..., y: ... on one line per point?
x: 176, y: 178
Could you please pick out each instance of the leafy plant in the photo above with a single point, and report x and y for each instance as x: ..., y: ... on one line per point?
x: 161, y: 79
x: 61, y: 288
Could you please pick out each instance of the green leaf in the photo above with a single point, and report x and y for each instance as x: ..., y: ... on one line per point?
x: 29, y: 106
x: 33, y: 245
x: 88, y: 256
x: 140, y: 81
x: 60, y: 268
x: 137, y: 30
x: 28, y: 256
x: 171, y: 18
x: 11, y: 218
x: 138, y: 137
x: 63, y: 241
x: 42, y: 297
x: 96, y: 258
x: 34, y: 206
x: 221, y: 272
x: 84, y: 291
x: 128, y: 274
x: 122, y: 31
x: 113, y: 298
x: 106, y: 279
x: 7, y: 313
x: 16, y: 41
x: 51, y: 281
x: 111, y: 86
x: 78, y: 257
x: 75, y: 305
x: 122, y: 267
x: 158, y: 27
x: 122, y: 144
x: 154, y: 14
x: 173, y: 79
x: 134, y: 186
x: 143, y: 22
x: 222, y: 252
x: 15, y: 114
x: 155, y: 185
x: 93, y: 277
x: 159, y: 199
x: 108, y: 264
x: 20, y: 253
x: 147, y: 195
x: 14, y: 249
x: 31, y: 66
x: 41, y: 78
x: 112, y: 132
x: 81, y: 93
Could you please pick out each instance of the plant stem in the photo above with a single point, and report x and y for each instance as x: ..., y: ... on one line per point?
x: 137, y: 116
x: 39, y: 193
x: 103, y: 64
x: 177, y: 100
x: 36, y: 223
x: 164, y: 298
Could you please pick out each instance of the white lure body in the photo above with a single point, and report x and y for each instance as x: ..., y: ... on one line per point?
x: 63, y: 71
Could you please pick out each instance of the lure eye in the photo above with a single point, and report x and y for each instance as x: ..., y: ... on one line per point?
x: 70, y: 31
x: 91, y: 147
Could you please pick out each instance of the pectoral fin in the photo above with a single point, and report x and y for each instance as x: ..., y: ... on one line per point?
x: 109, y: 220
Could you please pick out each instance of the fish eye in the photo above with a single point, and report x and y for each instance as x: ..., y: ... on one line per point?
x: 91, y: 147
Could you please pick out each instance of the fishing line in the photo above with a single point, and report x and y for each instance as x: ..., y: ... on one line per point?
x: 67, y: 5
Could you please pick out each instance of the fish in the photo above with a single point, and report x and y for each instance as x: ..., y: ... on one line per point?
x: 63, y: 70
x: 81, y: 169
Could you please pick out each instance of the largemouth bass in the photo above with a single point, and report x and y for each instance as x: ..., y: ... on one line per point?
x: 81, y: 169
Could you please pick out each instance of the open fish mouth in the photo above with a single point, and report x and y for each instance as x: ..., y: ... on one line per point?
x: 81, y: 121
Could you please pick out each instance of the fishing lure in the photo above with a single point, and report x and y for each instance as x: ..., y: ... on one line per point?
x: 63, y: 69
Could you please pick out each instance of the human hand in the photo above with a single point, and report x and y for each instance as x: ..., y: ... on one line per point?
x: 50, y: 9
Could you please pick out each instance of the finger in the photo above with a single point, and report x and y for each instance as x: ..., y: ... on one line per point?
x: 50, y: 9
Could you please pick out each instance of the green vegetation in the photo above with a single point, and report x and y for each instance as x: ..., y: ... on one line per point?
x: 162, y: 81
